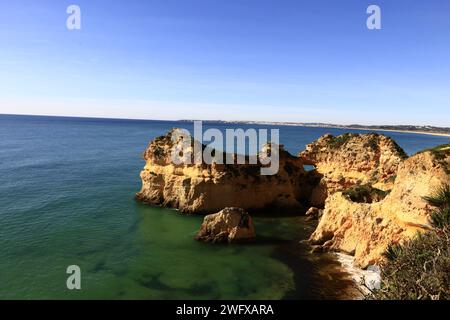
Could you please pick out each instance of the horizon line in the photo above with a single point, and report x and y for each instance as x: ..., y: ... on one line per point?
x: 225, y: 121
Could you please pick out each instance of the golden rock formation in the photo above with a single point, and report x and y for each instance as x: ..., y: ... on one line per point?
x: 352, y: 159
x: 229, y: 225
x: 365, y: 230
x: 372, y: 192
x: 208, y: 188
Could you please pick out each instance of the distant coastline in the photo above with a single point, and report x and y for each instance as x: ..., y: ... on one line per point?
x: 426, y: 130
x: 430, y: 133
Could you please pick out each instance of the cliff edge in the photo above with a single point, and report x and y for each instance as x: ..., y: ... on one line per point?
x: 365, y: 230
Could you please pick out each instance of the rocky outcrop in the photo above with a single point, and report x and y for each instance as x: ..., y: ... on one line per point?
x: 208, y: 188
x: 351, y: 159
x: 365, y: 230
x: 372, y: 193
x: 229, y: 225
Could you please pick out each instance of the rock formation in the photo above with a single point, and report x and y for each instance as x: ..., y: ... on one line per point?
x: 372, y: 193
x: 204, y: 188
x: 365, y: 230
x: 351, y: 159
x: 229, y: 225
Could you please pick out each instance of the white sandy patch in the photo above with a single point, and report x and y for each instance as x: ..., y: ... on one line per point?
x: 364, y: 279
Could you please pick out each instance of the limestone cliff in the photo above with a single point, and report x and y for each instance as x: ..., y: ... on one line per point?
x: 365, y: 230
x: 352, y: 159
x: 204, y: 188
x: 372, y: 193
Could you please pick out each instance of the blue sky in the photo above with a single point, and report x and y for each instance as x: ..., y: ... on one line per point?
x: 288, y: 60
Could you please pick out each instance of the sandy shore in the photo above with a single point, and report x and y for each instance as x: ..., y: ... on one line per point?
x: 305, y: 125
x: 401, y: 131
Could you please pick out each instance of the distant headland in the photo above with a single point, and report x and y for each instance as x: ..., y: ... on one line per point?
x: 431, y: 130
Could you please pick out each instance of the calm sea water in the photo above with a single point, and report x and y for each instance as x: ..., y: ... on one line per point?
x: 66, y: 197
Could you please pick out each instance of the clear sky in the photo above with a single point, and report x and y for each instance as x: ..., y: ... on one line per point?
x: 277, y: 60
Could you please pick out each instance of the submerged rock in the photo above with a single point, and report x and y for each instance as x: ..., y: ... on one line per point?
x: 229, y: 225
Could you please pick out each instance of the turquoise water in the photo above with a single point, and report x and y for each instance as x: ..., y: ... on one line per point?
x: 66, y: 198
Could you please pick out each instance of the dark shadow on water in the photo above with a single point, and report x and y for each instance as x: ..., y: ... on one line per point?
x: 259, y: 241
x: 317, y: 276
x: 268, y: 212
x: 278, y: 213
x: 264, y: 241
x: 153, y: 282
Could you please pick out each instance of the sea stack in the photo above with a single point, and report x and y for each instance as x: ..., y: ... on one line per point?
x: 208, y: 188
x: 229, y: 225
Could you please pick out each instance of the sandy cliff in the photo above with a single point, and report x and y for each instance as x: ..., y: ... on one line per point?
x: 352, y: 159
x: 365, y: 230
x: 203, y: 188
x: 372, y: 193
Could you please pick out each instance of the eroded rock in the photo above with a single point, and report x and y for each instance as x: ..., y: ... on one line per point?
x: 229, y: 225
x: 365, y: 230
x: 208, y: 188
x: 349, y: 160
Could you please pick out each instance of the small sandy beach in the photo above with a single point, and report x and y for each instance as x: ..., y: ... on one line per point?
x: 401, y: 131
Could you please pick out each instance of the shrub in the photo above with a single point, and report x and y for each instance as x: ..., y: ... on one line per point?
x: 365, y: 194
x: 440, y: 153
x: 441, y: 198
x: 373, y: 142
x: 337, y: 142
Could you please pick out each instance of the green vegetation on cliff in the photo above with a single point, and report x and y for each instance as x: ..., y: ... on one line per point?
x: 440, y: 153
x: 364, y: 194
x: 337, y: 142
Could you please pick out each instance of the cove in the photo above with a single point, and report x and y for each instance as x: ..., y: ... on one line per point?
x: 76, y: 207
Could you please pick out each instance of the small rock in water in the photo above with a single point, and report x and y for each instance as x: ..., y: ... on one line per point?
x: 229, y: 225
x: 313, y: 213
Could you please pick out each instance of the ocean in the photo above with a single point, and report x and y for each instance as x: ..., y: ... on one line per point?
x: 67, y: 190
